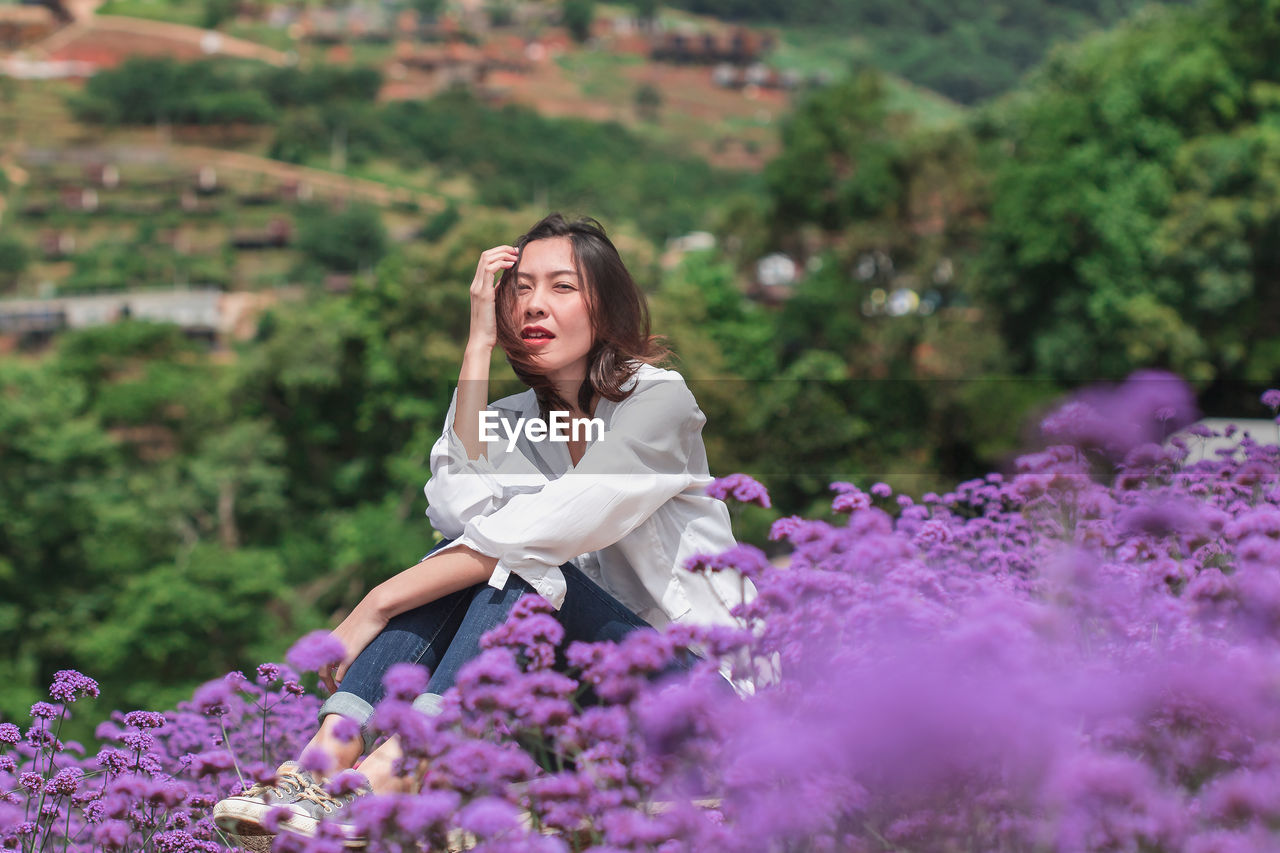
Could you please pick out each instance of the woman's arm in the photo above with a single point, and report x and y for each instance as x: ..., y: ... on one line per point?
x: 463, y: 482
x: 473, y: 379
x: 435, y: 577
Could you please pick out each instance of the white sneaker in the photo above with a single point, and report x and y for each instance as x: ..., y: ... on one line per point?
x: 241, y: 815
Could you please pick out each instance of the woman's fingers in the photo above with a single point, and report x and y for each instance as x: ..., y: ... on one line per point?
x: 331, y: 676
x: 483, y: 293
x: 492, y: 261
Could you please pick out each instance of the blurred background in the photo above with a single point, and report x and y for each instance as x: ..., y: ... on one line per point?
x: 236, y: 237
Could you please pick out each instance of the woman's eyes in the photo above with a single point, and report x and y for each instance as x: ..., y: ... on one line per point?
x: 562, y: 286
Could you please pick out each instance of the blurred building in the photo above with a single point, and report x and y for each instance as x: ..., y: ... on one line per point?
x: 204, y: 314
x: 24, y: 25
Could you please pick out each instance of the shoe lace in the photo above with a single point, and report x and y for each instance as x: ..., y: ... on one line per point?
x: 289, y: 784
x: 318, y: 795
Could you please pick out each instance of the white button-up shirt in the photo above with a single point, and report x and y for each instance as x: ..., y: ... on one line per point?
x: 629, y: 514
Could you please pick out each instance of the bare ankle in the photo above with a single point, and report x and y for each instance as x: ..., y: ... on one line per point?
x: 340, y: 754
x: 380, y: 768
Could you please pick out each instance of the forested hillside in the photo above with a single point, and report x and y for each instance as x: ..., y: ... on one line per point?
x: 968, y: 50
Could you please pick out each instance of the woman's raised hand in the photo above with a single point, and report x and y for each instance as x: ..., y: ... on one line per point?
x: 484, y: 324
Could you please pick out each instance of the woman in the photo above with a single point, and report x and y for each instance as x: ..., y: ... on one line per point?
x: 586, y: 489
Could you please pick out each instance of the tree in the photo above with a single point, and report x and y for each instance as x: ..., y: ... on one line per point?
x: 14, y: 257
x: 349, y: 240
x: 646, y: 11
x: 56, y: 454
x: 648, y: 101
x: 578, y: 15
x: 840, y: 159
x: 217, y: 11
x: 428, y: 9
x: 1133, y: 220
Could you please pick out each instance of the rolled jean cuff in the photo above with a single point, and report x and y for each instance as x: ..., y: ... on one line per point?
x: 352, y: 707
x: 431, y: 704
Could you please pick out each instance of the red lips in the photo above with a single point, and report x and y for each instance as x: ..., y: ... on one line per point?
x: 532, y: 334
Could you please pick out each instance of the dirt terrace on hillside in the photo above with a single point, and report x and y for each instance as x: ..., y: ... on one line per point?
x: 732, y: 128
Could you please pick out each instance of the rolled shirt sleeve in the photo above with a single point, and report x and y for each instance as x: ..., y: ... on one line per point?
x: 461, y: 489
x: 641, y: 461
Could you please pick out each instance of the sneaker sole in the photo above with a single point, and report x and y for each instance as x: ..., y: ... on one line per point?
x: 241, y: 816
x: 254, y: 844
x: 296, y: 824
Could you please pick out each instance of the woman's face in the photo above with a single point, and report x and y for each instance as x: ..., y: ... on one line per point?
x: 551, y: 309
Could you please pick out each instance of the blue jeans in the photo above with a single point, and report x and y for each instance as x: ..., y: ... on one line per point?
x: 445, y: 634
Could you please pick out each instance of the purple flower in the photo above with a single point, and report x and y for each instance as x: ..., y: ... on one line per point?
x: 213, y: 698
x: 9, y: 733
x: 347, y: 782
x: 44, y: 711
x: 747, y: 560
x: 414, y: 815
x: 1161, y: 519
x: 399, y: 718
x: 316, y: 760
x: 851, y: 500
x: 69, y: 685
x: 488, y: 816
x: 346, y: 729
x: 113, y: 760
x: 268, y: 673
x: 176, y: 841
x: 138, y: 741
x: 65, y: 782
x: 740, y: 487
x: 1271, y: 398
x: 1147, y: 407
x: 144, y: 719
x: 111, y: 835
x: 783, y: 527
x: 315, y: 651
x: 531, y: 631
x: 405, y: 681
x: 933, y: 533
x: 211, y: 763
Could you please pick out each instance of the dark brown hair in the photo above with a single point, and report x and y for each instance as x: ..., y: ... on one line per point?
x: 616, y: 307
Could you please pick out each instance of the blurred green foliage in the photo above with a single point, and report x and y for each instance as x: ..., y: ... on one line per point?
x: 348, y: 240
x: 1133, y: 216
x: 577, y: 16
x: 14, y: 257
x: 165, y: 517
x: 146, y: 90
x: 516, y: 157
x: 967, y: 50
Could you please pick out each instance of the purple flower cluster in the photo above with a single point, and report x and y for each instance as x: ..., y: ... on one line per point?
x: 1079, y: 655
x: 151, y: 786
x: 740, y: 487
x: 314, y: 652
